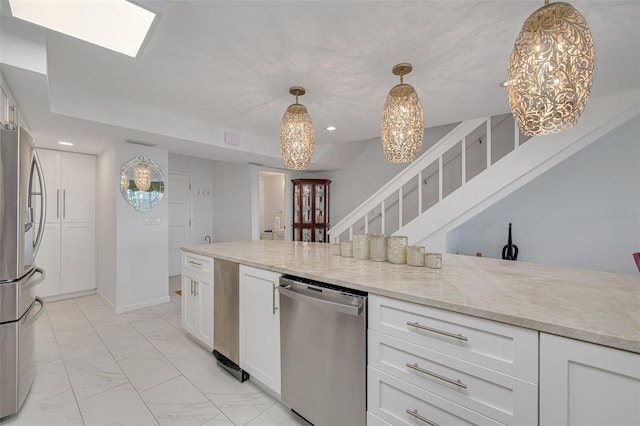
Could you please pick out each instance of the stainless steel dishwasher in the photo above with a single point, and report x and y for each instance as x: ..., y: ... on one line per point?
x: 323, y: 330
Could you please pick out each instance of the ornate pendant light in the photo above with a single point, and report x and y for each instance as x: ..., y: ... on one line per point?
x: 142, y: 175
x: 402, y: 127
x: 296, y: 134
x: 550, y: 71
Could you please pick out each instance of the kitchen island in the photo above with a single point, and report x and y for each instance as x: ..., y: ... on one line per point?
x: 592, y: 306
x: 480, y: 341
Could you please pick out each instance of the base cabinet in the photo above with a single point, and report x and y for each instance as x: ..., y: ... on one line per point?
x: 260, y: 325
x: 431, y: 366
x: 197, y: 298
x: 68, y: 249
x: 586, y: 384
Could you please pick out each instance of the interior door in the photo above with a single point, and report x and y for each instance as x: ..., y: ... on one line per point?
x: 179, y: 193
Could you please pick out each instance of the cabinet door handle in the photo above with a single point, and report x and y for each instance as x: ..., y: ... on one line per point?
x: 196, y: 284
x: 64, y: 203
x: 436, y: 375
x: 57, y: 203
x: 273, y: 298
x: 415, y: 414
x: 195, y: 263
x: 433, y: 330
x: 192, y: 290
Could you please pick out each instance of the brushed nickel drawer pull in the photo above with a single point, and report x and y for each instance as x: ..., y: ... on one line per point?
x: 195, y: 263
x: 273, y: 299
x: 433, y: 330
x: 415, y: 414
x: 436, y: 375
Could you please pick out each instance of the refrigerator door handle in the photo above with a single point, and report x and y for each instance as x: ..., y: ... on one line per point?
x: 37, y: 167
x: 41, y: 276
x: 38, y: 314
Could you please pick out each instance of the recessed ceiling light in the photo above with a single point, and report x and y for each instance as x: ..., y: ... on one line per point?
x: 331, y: 128
x: 66, y: 143
x: 114, y: 24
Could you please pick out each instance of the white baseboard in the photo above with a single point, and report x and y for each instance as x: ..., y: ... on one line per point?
x: 72, y: 295
x: 140, y: 305
x: 105, y: 299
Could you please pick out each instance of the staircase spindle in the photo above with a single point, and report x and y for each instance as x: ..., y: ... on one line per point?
x: 400, y: 208
x: 440, y: 178
x: 463, y: 157
x: 382, y: 216
x: 516, y: 135
x: 420, y: 193
x: 489, y: 158
x: 366, y: 223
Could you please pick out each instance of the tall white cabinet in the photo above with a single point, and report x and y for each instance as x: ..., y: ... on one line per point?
x: 260, y: 325
x: 68, y: 249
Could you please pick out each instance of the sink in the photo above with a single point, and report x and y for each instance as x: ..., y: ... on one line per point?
x: 278, y: 234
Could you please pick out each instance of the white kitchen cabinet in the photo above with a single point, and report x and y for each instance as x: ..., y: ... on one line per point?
x: 448, y: 368
x: 586, y: 384
x: 68, y: 249
x: 197, y: 297
x: 260, y: 325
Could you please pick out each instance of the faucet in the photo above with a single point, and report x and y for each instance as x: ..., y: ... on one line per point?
x: 207, y: 239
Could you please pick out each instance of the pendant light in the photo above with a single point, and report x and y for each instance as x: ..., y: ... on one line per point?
x: 550, y: 71
x: 402, y: 127
x: 296, y: 134
x: 142, y: 175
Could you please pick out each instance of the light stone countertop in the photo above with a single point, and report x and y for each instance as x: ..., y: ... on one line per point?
x: 592, y: 306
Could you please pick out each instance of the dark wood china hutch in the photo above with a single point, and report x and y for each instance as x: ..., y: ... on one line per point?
x: 310, y: 209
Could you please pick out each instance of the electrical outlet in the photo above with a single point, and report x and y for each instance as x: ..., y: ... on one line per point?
x: 152, y: 220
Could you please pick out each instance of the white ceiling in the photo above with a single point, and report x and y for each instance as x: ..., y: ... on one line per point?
x: 215, y: 66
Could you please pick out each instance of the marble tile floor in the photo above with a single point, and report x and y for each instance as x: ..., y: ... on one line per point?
x: 138, y: 368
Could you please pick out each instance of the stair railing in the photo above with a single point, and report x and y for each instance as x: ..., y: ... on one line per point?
x: 377, y: 201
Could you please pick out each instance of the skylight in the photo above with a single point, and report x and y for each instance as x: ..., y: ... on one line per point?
x: 114, y: 24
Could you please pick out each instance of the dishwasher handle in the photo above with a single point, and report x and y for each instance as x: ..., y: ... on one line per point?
x: 354, y: 310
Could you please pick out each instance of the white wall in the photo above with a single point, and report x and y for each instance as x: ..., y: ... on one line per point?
x: 232, y: 189
x: 106, y: 221
x: 584, y: 213
x: 201, y: 172
x: 143, y: 250
x: 139, y: 258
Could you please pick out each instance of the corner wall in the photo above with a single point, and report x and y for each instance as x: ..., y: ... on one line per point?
x: 142, y: 250
x: 133, y: 267
x: 106, y: 221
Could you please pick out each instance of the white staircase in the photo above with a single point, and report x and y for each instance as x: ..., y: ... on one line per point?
x: 448, y: 185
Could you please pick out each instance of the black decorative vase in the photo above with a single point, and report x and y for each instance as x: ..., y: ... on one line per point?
x: 510, y: 251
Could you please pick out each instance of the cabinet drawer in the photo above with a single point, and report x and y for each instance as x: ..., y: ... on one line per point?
x: 505, y: 348
x: 197, y: 263
x: 496, y: 395
x: 390, y: 399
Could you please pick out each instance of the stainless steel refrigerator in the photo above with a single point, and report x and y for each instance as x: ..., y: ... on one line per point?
x: 22, y: 198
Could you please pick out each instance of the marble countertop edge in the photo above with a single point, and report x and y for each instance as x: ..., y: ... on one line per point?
x: 523, y: 315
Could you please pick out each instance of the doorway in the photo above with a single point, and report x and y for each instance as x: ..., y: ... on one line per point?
x: 179, y: 219
x: 272, y: 206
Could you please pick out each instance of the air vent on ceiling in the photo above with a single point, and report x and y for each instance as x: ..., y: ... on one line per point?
x: 135, y: 142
